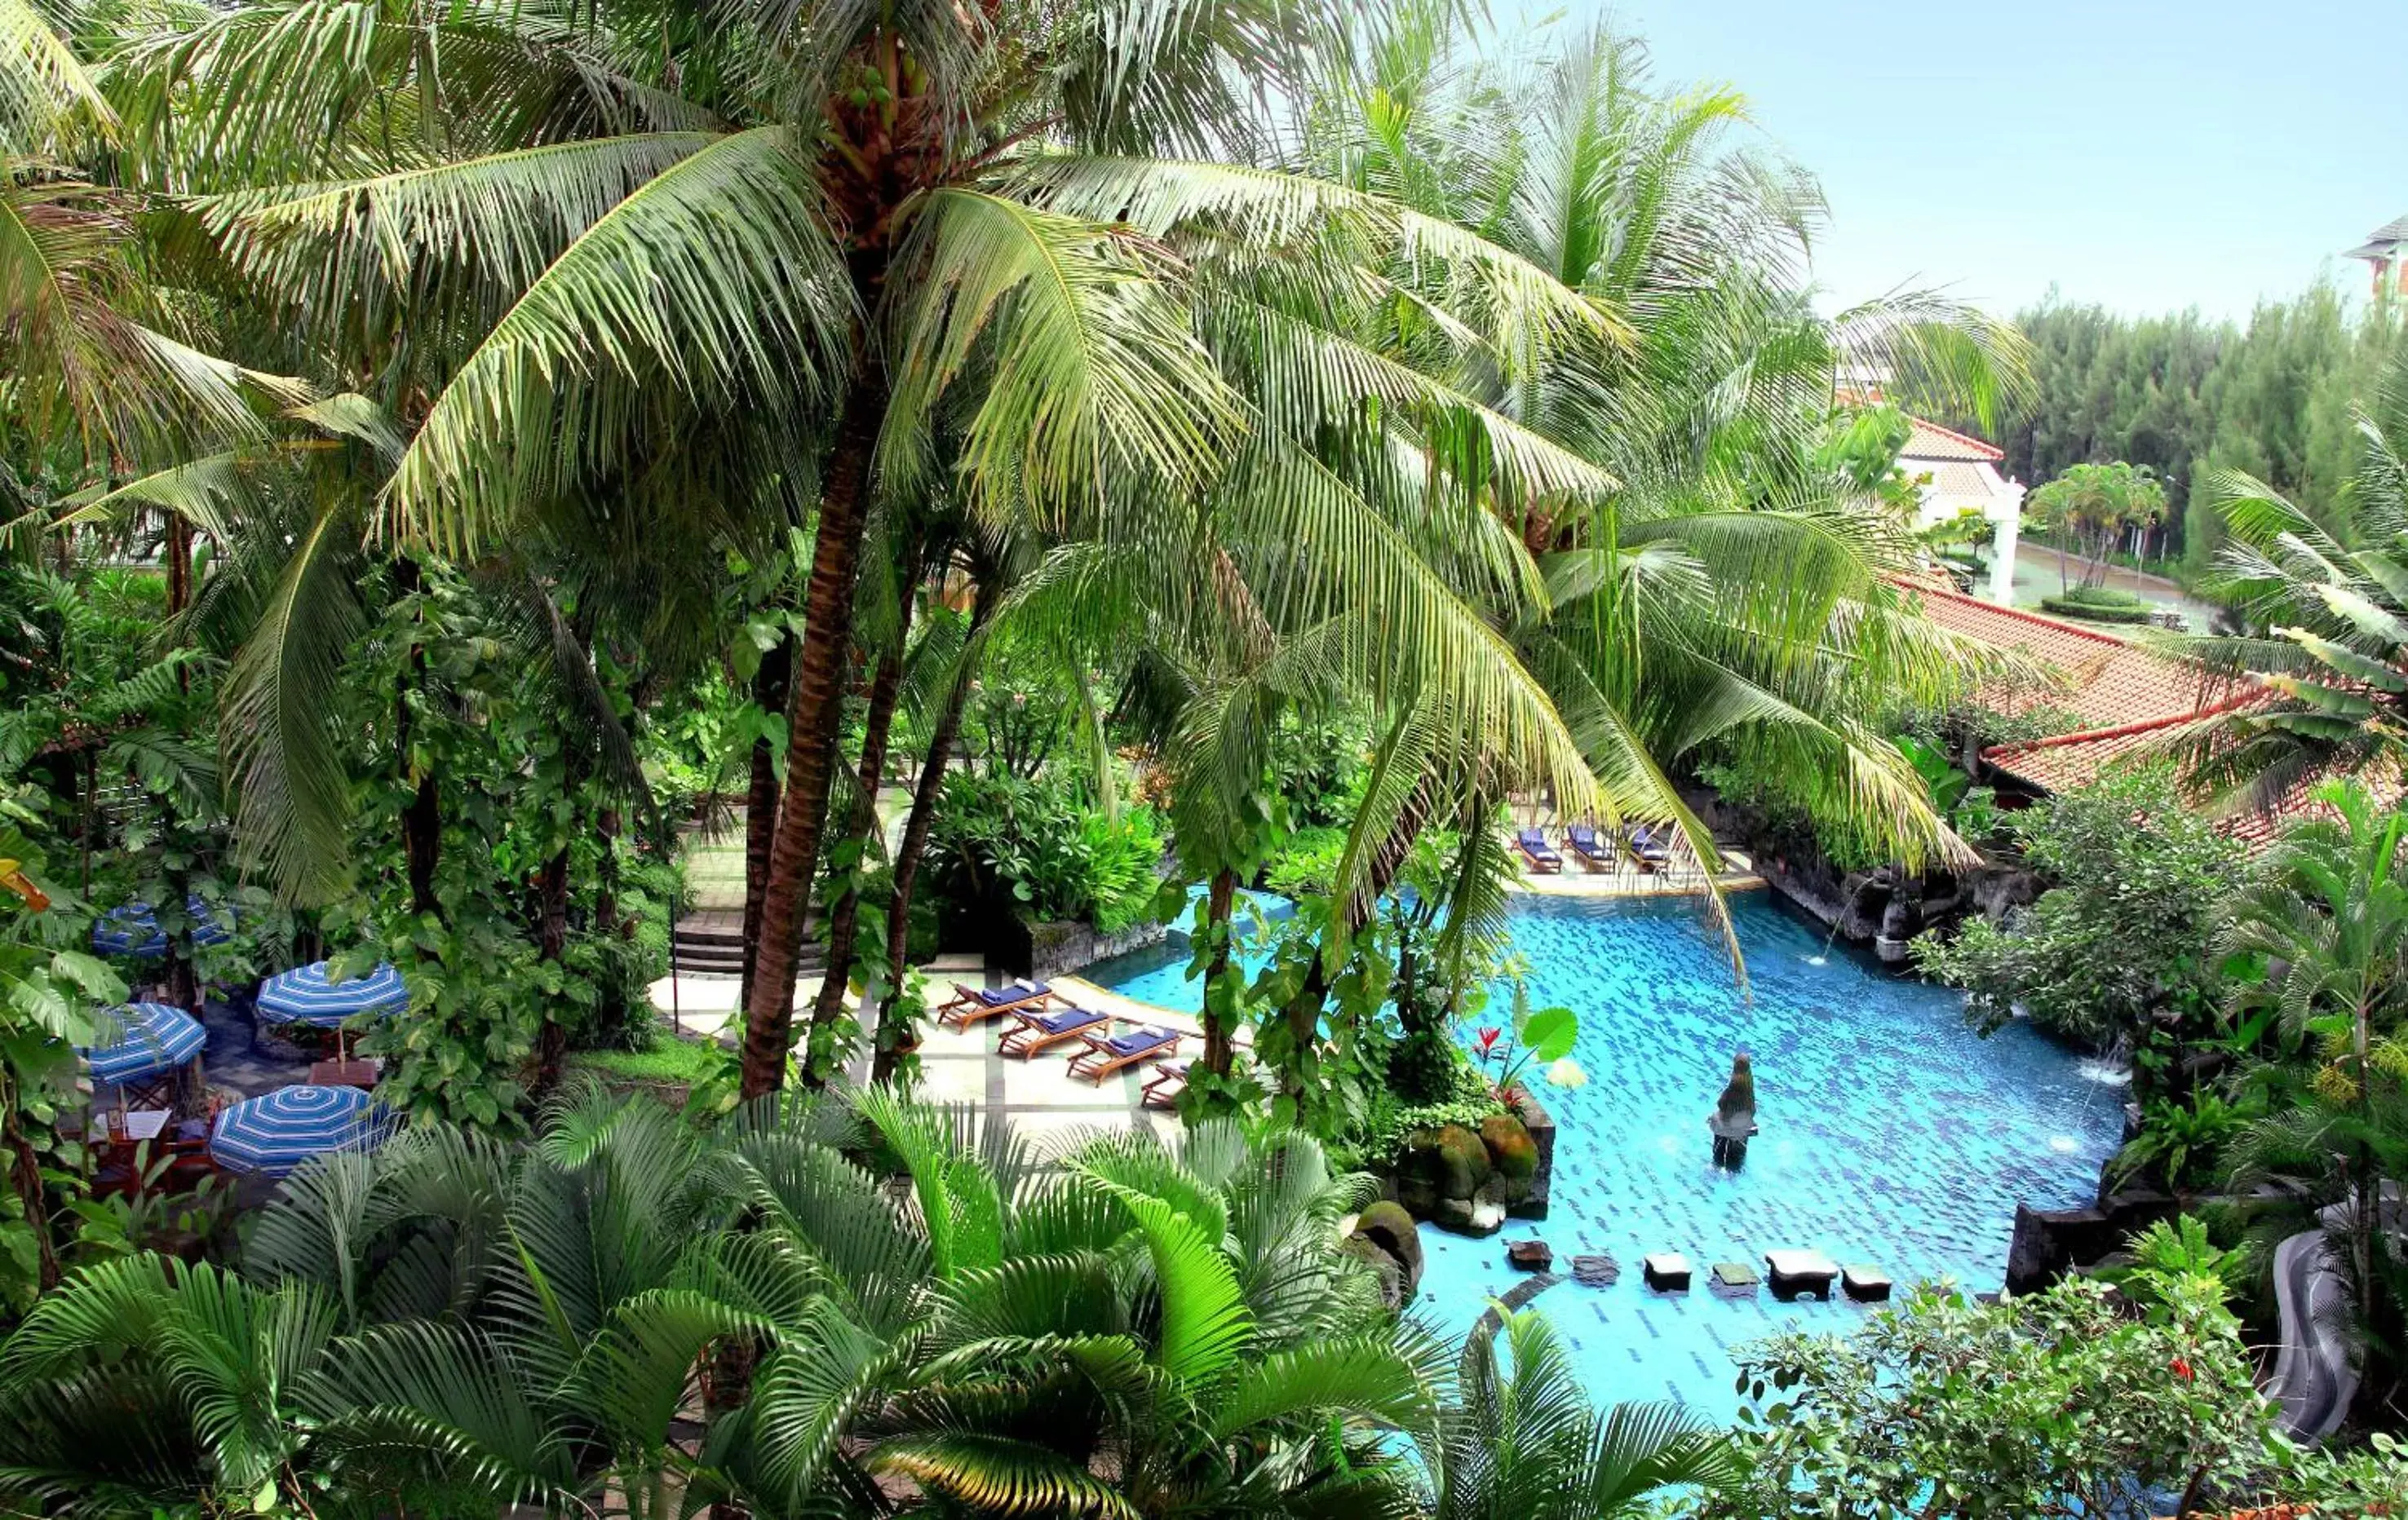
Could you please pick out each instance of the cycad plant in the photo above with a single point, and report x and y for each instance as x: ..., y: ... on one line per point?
x: 630, y: 1307
x: 1522, y: 1442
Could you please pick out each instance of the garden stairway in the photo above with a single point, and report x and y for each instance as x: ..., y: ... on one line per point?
x: 710, y: 943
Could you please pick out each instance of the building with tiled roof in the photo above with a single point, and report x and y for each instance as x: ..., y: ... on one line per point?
x: 2120, y: 702
x: 1955, y: 475
x: 2386, y: 251
x: 2104, y: 681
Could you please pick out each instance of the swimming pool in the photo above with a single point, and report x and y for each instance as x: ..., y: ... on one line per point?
x: 1892, y: 1133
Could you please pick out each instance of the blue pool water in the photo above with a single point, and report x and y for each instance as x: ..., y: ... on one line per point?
x: 1892, y: 1133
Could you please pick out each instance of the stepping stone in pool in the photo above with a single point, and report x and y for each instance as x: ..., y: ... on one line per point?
x: 1865, y: 1283
x: 1596, y: 1271
x: 1530, y: 1256
x: 1667, y: 1271
x: 1798, y: 1274
x: 1735, y: 1277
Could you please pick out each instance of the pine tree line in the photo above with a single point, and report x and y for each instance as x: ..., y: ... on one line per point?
x: 2184, y: 394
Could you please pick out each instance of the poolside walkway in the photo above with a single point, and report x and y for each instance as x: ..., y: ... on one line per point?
x: 1574, y: 880
x: 963, y: 1066
x: 1040, y: 1095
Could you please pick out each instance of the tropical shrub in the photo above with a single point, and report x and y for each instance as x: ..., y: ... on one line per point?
x: 1032, y: 847
x: 1305, y: 864
x: 2113, y: 951
x: 2182, y: 1144
x: 2101, y: 604
x: 2051, y: 1404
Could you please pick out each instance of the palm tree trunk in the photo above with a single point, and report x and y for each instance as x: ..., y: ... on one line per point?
x: 845, y: 913
x: 914, y: 843
x: 769, y: 685
x: 813, y: 723
x: 552, y: 1040
x: 25, y: 1171
x: 1219, y: 1052
x: 177, y: 551
x: 422, y: 820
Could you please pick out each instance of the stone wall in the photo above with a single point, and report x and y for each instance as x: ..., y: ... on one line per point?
x: 1058, y: 948
x: 1883, y: 908
x: 1472, y: 1181
x: 2050, y: 1243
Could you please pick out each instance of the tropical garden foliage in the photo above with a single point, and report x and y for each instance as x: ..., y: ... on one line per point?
x: 1056, y: 461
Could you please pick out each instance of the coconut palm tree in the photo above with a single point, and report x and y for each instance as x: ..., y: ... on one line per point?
x: 2330, y: 624
x: 1732, y: 598
x: 900, y: 237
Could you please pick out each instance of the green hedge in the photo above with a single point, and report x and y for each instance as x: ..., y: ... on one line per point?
x: 2098, y: 612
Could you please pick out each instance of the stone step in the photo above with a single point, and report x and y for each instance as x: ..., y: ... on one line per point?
x: 711, y: 956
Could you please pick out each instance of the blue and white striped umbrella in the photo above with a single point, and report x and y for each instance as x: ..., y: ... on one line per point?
x: 304, y: 995
x: 142, y: 1038
x: 278, y: 1131
x: 132, y: 929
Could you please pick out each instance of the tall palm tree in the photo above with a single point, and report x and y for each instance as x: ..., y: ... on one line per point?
x: 2330, y: 624
x: 1730, y: 597
x: 624, y: 236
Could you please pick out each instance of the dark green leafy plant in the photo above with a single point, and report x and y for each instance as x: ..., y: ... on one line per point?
x: 2114, y: 950
x: 2049, y: 1404
x: 2182, y: 1144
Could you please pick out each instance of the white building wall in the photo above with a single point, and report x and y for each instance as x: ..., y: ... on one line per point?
x: 1950, y: 491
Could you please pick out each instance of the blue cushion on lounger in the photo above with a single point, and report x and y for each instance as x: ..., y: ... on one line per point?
x: 997, y: 997
x: 1535, y: 841
x: 1067, y: 1020
x: 1137, y: 1042
x: 1583, y: 837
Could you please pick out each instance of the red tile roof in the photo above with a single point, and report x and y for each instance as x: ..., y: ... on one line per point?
x: 2130, y: 700
x: 1929, y: 440
x: 2100, y: 680
x: 2069, y: 760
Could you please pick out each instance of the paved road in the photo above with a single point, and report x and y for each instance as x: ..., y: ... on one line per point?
x: 2036, y: 575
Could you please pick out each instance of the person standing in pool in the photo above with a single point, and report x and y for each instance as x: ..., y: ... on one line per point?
x: 1733, y: 1120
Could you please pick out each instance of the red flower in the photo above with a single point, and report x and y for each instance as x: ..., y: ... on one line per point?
x: 2182, y: 1369
x: 1488, y: 1039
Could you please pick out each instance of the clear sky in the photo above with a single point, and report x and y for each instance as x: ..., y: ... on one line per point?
x: 2143, y: 156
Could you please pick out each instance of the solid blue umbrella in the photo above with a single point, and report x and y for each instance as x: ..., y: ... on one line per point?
x: 278, y: 1131
x: 132, y: 929
x: 306, y: 995
x: 142, y: 1038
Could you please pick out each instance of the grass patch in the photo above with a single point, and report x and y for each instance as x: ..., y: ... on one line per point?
x: 670, y: 1059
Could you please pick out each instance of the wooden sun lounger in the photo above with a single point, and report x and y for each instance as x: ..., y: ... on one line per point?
x: 968, y: 1006
x: 1033, y: 1036
x: 1542, y: 858
x: 1155, y: 1093
x: 1102, y: 1057
x: 1588, y: 848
